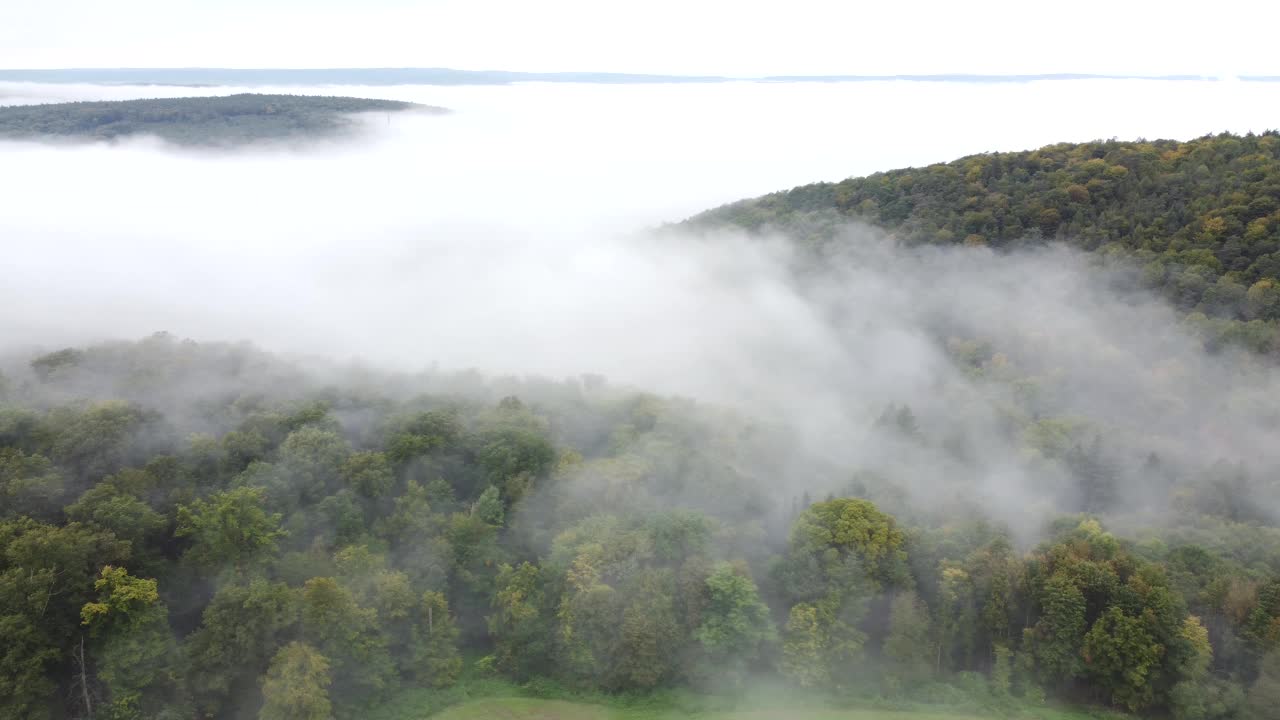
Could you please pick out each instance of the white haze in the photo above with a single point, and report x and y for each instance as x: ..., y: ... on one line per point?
x: 506, y: 237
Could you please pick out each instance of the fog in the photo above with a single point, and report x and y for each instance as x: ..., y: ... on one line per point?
x: 510, y: 237
x: 499, y: 236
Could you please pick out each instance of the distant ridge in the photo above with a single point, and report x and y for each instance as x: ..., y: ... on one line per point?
x: 330, y: 76
x: 209, y: 121
x: 961, y: 77
x: 447, y: 76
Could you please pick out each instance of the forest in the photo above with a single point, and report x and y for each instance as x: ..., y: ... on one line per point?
x: 201, y: 121
x: 1200, y: 220
x: 1074, y: 508
x: 207, y: 530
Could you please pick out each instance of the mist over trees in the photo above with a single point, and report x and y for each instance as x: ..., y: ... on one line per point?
x: 946, y: 459
x: 207, y: 529
x: 1199, y: 219
x: 225, y: 121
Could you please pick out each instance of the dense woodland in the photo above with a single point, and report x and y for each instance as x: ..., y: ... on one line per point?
x: 1200, y: 219
x: 205, y: 530
x: 211, y: 531
x: 219, y: 121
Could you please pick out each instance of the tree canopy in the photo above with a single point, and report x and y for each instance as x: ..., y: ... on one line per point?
x: 205, y: 530
x: 1200, y: 219
x: 211, y: 121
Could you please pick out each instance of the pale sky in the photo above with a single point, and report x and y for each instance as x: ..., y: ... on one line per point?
x: 729, y: 37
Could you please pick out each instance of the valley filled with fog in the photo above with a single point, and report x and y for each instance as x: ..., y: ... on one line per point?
x: 503, y: 236
x: 460, y: 405
x: 515, y: 236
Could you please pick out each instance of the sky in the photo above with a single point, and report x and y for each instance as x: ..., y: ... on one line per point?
x: 726, y: 37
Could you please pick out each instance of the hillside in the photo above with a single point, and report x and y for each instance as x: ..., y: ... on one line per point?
x: 945, y: 478
x: 1200, y: 218
x: 208, y: 530
x: 229, y: 120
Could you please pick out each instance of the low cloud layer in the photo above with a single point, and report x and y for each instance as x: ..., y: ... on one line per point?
x: 509, y: 237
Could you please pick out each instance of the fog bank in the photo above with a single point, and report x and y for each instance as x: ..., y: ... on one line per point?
x: 509, y: 237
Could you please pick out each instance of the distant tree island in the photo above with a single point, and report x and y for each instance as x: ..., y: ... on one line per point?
x: 197, y: 121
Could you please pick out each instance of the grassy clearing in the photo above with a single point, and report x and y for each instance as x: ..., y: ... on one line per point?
x: 525, y: 708
x: 486, y: 698
x: 536, y: 709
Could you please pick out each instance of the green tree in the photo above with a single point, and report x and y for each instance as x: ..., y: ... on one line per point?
x: 47, y: 574
x: 1121, y: 655
x: 1264, y: 693
x: 841, y: 553
x: 416, y: 534
x: 296, y: 685
x: 61, y: 362
x: 96, y: 441
x: 347, y: 635
x: 804, y: 659
x: 589, y: 629
x: 311, y: 462
x: 735, y: 625
x: 1263, y: 299
x: 430, y: 432
x: 29, y: 485
x: 907, y: 647
x: 514, y: 451
x: 518, y: 625
x: 1196, y: 636
x: 488, y: 507
x: 1057, y: 637
x: 107, y: 506
x: 838, y: 529
x: 436, y: 660
x: 1190, y: 698
x: 955, y: 620
x: 1002, y: 672
x: 1262, y: 627
x: 229, y: 529
x: 369, y: 474
x: 650, y: 634
x: 133, y: 649
x: 240, y: 630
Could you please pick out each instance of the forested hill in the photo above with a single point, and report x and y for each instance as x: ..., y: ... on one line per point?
x: 228, y: 120
x: 1201, y: 218
x: 208, y: 531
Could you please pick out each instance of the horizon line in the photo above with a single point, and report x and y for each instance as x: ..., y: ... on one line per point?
x: 506, y: 76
